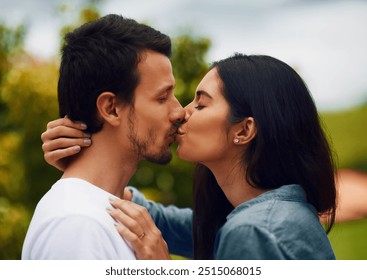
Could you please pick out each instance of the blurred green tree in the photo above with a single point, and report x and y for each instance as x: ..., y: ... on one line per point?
x: 11, y: 42
x: 13, y: 215
x: 87, y: 13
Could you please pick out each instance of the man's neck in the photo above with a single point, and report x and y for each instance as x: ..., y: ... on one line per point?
x: 104, y: 166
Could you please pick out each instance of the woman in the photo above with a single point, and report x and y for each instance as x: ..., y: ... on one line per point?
x: 264, y: 176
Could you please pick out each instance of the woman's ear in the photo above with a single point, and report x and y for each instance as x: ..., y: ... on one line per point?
x: 244, y: 131
x: 108, y: 108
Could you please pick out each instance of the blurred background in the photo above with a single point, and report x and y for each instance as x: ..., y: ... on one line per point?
x: 325, y: 41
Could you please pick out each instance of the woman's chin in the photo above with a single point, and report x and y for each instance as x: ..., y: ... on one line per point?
x: 184, y: 155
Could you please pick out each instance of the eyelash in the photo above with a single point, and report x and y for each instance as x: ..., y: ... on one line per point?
x: 199, y: 107
x: 162, y: 100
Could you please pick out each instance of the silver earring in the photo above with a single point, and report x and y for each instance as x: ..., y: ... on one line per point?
x: 236, y: 141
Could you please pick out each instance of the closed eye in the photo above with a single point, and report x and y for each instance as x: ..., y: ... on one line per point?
x: 162, y: 99
x: 199, y: 107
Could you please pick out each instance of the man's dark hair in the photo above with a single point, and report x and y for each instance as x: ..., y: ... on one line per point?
x: 100, y: 56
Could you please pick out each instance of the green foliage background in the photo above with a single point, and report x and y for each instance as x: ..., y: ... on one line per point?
x: 28, y: 100
x: 348, y: 133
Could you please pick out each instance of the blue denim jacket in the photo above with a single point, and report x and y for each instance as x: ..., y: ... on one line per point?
x: 278, y: 224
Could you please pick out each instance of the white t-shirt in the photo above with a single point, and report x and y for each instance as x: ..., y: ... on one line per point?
x: 71, y: 222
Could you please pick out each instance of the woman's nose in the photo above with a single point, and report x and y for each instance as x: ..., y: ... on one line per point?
x: 188, y: 110
x: 187, y: 113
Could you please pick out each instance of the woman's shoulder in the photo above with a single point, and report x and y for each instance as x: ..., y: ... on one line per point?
x: 290, y: 228
x: 273, y: 215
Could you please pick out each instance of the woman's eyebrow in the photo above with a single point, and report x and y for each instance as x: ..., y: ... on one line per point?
x: 202, y: 92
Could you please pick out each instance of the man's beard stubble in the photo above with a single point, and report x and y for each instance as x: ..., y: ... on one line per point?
x: 140, y: 146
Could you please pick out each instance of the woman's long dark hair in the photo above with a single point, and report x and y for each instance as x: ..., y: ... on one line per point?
x: 290, y: 146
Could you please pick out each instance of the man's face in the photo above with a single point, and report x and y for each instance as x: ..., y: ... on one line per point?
x: 156, y: 112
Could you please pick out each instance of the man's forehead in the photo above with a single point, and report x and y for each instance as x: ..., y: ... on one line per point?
x: 153, y: 58
x: 155, y: 71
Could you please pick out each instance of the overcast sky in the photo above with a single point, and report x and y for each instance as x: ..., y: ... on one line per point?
x: 325, y: 40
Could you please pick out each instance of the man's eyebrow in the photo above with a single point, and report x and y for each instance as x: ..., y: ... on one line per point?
x: 202, y: 92
x: 166, y: 88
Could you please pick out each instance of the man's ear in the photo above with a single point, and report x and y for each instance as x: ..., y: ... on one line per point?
x: 244, y: 131
x: 108, y: 108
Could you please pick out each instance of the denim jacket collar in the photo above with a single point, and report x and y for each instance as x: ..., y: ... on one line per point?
x: 292, y: 192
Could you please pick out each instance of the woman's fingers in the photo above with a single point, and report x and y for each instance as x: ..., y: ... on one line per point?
x: 62, y: 139
x: 66, y: 122
x: 130, y: 237
x: 139, y: 230
x: 128, y: 194
x: 64, y: 128
x: 63, y: 132
x: 134, y: 211
x: 62, y: 143
x: 149, y: 247
x: 128, y: 222
x: 54, y: 157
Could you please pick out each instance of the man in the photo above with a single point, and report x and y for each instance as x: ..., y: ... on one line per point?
x: 116, y: 78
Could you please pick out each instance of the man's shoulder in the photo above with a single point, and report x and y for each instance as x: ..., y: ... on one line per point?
x: 71, y: 222
x: 74, y: 237
x: 67, y: 203
x: 69, y: 197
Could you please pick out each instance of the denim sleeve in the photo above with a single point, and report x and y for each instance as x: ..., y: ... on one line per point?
x: 174, y: 223
x: 247, y: 242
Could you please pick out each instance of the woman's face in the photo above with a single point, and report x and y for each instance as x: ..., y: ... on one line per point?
x: 203, y: 137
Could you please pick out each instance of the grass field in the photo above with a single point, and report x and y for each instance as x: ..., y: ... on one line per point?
x: 348, y: 133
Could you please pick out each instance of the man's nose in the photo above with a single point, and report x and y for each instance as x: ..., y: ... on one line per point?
x: 177, y: 114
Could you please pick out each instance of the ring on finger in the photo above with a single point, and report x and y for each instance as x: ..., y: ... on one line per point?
x: 141, y: 236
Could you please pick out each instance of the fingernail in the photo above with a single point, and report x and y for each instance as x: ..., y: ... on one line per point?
x: 112, y: 198
x: 87, y: 141
x: 83, y: 126
x: 86, y: 135
x: 109, y: 209
x: 77, y: 148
